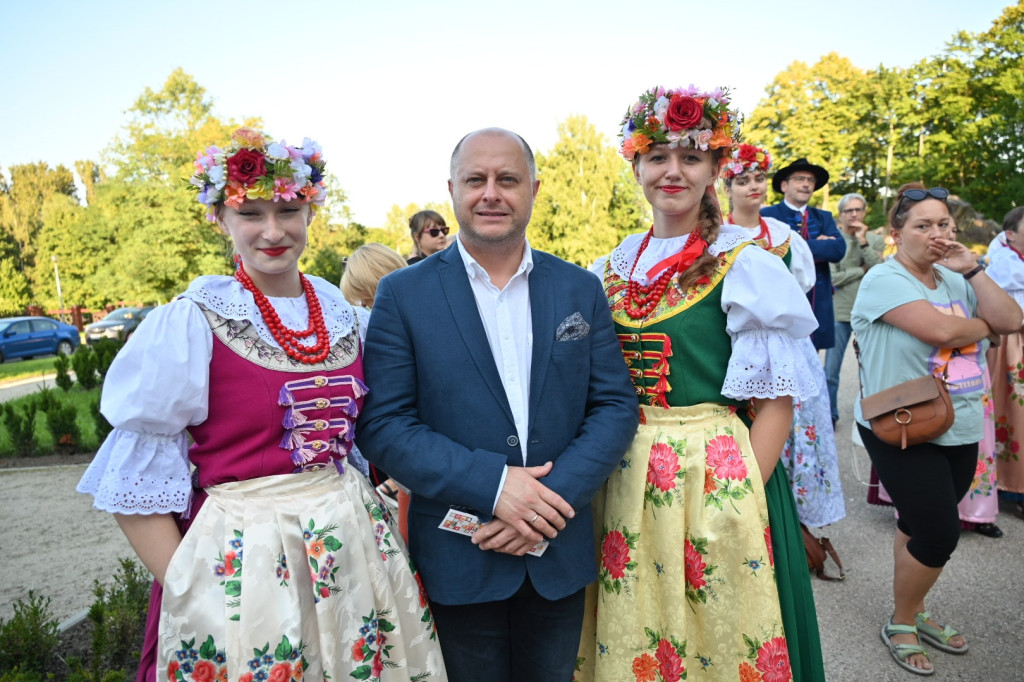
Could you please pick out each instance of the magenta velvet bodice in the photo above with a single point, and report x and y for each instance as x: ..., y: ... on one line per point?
x: 268, y: 415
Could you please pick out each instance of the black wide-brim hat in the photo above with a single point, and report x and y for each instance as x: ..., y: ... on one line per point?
x: 819, y: 173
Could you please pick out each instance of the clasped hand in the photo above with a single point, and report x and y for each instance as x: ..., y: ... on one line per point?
x: 526, y: 513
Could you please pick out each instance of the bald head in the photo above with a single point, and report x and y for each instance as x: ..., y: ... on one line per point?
x: 531, y: 163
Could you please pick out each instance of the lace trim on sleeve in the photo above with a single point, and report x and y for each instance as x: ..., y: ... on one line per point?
x: 140, y: 473
x: 768, y: 363
x: 226, y: 297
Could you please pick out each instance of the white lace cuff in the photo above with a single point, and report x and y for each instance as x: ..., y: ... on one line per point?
x: 139, y: 473
x: 768, y: 363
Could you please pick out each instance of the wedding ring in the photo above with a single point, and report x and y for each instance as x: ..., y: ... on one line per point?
x: 535, y: 517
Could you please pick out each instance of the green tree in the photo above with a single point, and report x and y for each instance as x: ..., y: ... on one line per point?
x: 812, y: 112
x: 21, y: 205
x: 586, y: 203
x: 14, y: 290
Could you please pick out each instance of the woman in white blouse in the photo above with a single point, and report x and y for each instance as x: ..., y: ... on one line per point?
x: 272, y: 556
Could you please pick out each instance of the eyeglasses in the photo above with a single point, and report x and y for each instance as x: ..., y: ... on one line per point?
x: 940, y: 193
x: 801, y: 178
x: 434, y: 231
x: 852, y: 210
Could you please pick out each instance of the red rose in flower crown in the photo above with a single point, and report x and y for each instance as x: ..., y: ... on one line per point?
x: 246, y: 166
x: 684, y: 112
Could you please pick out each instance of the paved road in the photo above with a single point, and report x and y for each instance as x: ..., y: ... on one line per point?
x: 23, y: 387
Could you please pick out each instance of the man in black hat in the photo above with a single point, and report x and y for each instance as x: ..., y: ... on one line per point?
x: 797, y: 182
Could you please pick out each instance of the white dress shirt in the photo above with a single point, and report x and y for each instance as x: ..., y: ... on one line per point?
x: 506, y: 317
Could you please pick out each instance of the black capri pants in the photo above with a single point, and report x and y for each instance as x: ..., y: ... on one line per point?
x: 926, y: 483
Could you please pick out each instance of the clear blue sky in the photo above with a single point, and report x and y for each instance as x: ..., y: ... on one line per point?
x: 388, y: 88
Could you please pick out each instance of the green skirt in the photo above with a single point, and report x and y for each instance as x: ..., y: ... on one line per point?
x: 793, y: 580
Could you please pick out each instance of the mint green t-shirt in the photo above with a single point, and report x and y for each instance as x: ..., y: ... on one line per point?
x: 889, y: 356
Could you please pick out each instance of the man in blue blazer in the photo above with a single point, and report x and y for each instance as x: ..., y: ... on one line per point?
x: 497, y: 387
x: 797, y: 182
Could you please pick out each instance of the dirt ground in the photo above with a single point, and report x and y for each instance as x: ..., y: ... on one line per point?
x: 51, y: 539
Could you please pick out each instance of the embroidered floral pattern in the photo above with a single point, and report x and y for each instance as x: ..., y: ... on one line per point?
x: 323, y: 571
x: 697, y: 570
x: 382, y: 530
x: 666, y: 662
x: 664, y: 473
x: 229, y: 565
x: 616, y: 561
x: 728, y: 471
x: 205, y: 664
x: 283, y: 574
x: 773, y: 661
x: 372, y: 649
x: 1007, y: 447
x: 286, y: 663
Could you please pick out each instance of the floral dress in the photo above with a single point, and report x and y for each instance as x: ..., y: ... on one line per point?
x: 290, y: 566
x: 1006, y: 362
x: 810, y: 456
x: 687, y: 578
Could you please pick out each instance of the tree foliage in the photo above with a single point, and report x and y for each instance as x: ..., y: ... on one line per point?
x: 951, y: 120
x: 586, y: 202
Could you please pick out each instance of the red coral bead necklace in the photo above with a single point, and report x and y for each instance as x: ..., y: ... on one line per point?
x: 642, y: 300
x: 287, y: 338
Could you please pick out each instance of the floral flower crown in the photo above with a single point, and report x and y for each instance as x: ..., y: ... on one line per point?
x: 677, y: 117
x: 252, y: 169
x: 745, y: 158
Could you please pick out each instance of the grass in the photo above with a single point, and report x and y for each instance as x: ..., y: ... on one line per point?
x: 12, y: 370
x: 78, y: 397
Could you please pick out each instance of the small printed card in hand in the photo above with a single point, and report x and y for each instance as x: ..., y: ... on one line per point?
x: 465, y: 523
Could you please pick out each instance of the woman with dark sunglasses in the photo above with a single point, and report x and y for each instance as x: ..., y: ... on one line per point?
x: 429, y: 234
x: 927, y: 310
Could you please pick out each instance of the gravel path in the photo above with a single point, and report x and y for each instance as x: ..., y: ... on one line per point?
x: 52, y: 541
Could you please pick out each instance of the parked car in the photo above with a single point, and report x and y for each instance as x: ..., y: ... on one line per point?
x: 27, y: 337
x: 119, y: 325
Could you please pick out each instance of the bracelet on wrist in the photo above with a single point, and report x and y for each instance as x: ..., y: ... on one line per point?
x: 974, y: 272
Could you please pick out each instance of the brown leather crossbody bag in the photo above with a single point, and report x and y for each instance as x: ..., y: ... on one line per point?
x: 913, y: 412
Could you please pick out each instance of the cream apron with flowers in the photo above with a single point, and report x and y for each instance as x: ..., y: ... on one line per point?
x: 264, y: 553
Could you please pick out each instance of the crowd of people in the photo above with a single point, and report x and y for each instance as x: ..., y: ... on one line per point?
x: 617, y: 481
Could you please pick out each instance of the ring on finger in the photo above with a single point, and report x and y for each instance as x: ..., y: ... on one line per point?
x: 535, y: 517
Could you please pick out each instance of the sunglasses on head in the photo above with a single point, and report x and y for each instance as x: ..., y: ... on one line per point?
x: 434, y: 231
x: 940, y: 193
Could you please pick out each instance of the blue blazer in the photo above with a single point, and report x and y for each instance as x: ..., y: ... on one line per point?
x: 825, y: 251
x: 437, y: 419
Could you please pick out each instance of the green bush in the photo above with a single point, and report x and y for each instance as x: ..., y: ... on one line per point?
x: 29, y: 640
x: 62, y: 420
x: 84, y: 362
x: 63, y: 379
x: 101, y: 426
x: 118, y: 619
x: 21, y: 427
x: 105, y: 350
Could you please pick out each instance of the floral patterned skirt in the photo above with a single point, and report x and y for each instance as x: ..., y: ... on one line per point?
x: 686, y: 580
x: 291, y: 577
x: 809, y: 456
x: 1007, y: 369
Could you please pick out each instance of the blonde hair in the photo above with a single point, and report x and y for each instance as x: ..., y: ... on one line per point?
x: 364, y: 268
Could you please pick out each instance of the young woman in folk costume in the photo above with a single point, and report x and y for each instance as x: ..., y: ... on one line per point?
x: 687, y: 576
x: 273, y: 557
x: 810, y: 458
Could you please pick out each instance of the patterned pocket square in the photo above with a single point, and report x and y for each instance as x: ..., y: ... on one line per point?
x: 573, y: 328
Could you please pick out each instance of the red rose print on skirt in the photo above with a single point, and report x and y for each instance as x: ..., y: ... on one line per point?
x: 615, y: 554
x: 663, y: 467
x: 773, y: 661
x: 725, y: 458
